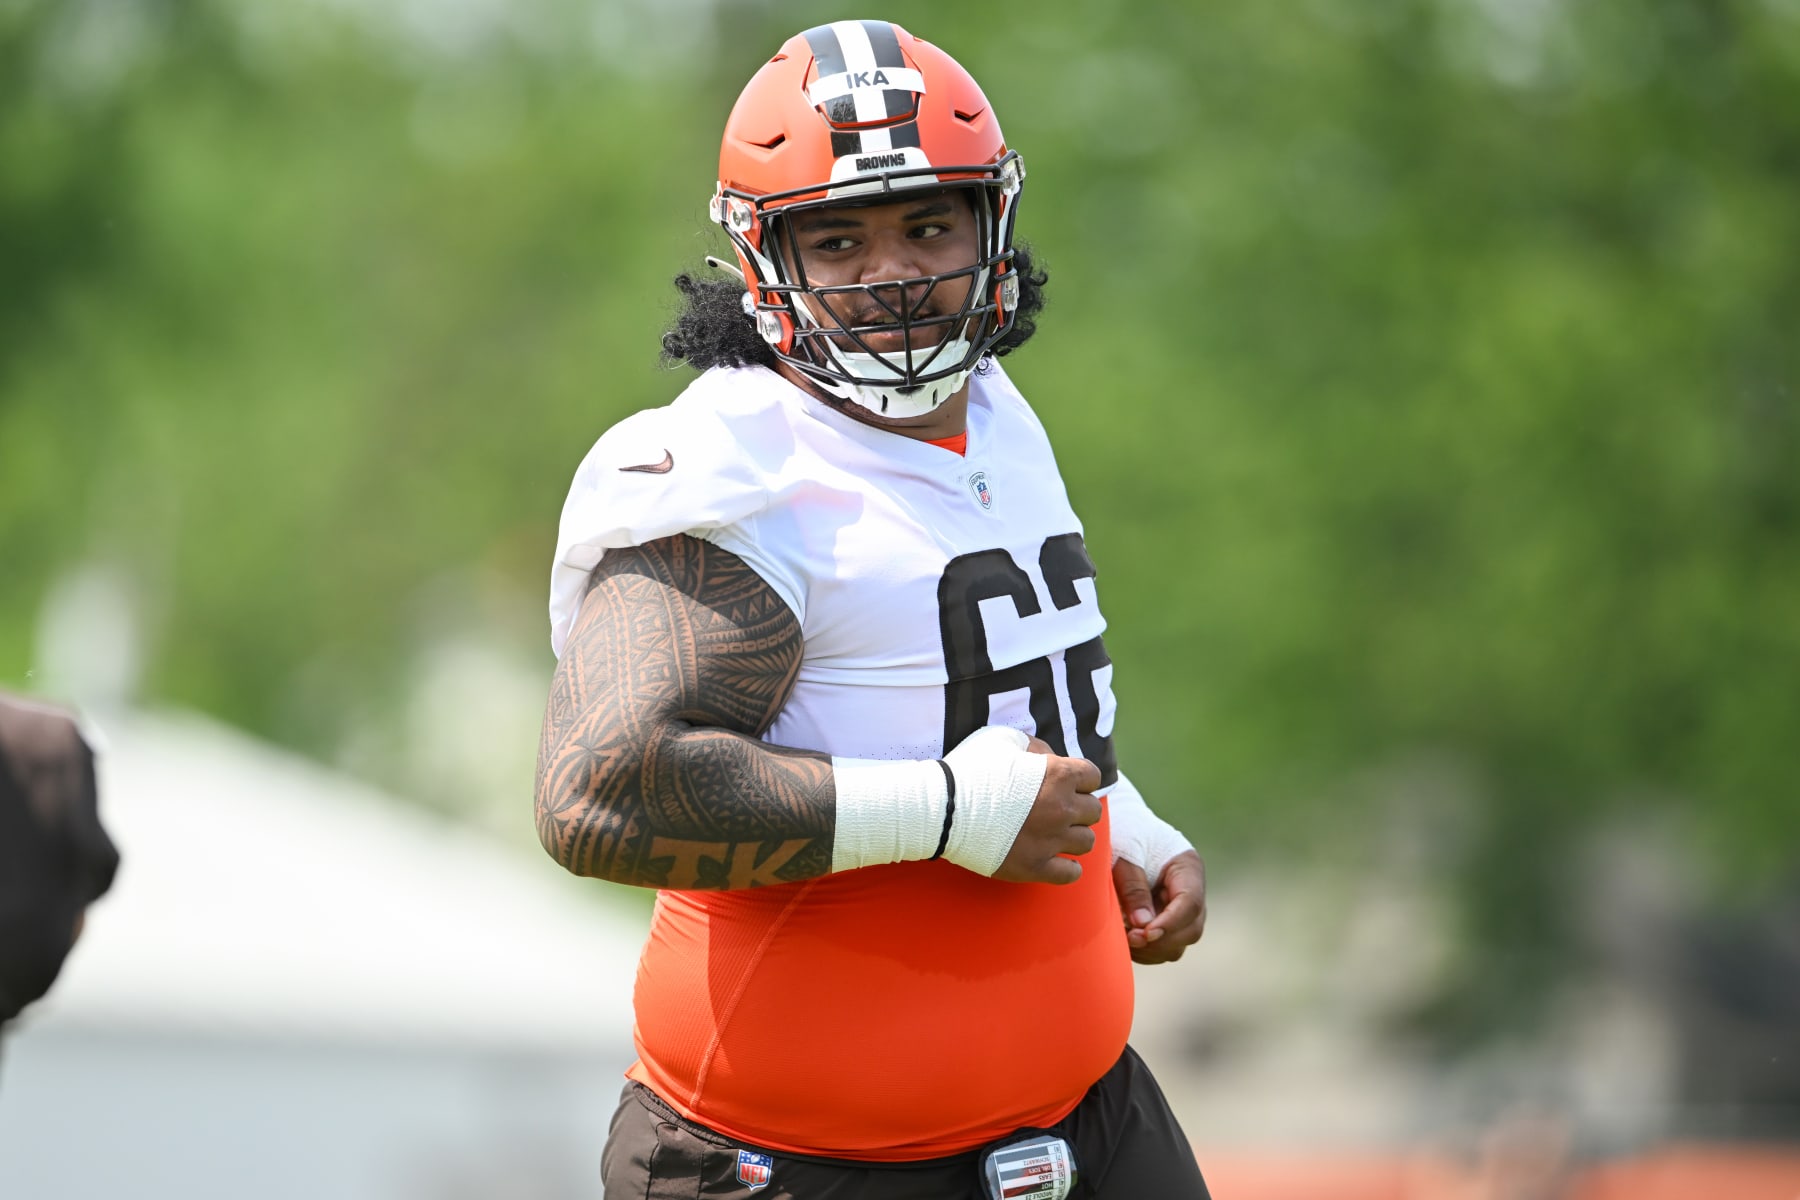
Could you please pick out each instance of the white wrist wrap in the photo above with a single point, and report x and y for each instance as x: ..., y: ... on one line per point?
x: 886, y: 811
x: 997, y: 782
x: 1138, y: 835
x: 896, y: 811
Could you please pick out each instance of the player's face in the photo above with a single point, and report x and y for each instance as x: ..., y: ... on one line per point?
x: 879, y: 244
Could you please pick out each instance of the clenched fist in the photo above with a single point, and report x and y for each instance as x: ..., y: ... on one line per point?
x: 1060, y: 822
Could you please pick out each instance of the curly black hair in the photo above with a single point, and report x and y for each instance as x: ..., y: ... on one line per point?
x: 711, y: 330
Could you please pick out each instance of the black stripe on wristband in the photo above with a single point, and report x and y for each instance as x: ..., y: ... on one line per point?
x: 949, y: 809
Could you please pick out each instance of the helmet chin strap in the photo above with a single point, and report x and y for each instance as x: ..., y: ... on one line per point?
x: 890, y: 400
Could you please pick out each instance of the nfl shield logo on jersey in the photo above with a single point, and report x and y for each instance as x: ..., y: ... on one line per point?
x: 978, y: 484
x: 754, y: 1169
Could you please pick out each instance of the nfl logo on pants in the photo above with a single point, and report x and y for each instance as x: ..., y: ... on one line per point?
x: 754, y: 1169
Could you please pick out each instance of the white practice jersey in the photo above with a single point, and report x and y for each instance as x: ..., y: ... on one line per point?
x: 937, y: 592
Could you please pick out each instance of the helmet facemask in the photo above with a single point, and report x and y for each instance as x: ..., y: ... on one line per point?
x: 812, y: 327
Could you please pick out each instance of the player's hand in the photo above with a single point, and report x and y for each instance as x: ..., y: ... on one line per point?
x: 1060, y: 822
x: 1162, y: 921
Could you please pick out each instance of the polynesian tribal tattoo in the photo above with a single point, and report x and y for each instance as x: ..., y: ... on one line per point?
x: 650, y: 771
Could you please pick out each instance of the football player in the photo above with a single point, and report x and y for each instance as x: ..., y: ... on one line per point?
x: 831, y: 678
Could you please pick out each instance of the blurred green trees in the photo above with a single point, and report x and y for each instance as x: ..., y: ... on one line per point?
x: 1425, y: 371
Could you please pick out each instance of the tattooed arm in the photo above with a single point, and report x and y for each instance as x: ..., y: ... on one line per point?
x: 649, y: 770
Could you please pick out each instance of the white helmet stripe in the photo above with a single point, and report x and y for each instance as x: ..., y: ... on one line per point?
x: 859, y: 61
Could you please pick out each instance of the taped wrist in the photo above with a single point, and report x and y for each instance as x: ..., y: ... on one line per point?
x: 1138, y: 835
x: 900, y: 811
x: 997, y: 782
x: 886, y: 811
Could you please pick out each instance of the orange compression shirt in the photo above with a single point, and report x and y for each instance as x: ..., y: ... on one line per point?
x: 956, y: 445
x: 889, y: 1013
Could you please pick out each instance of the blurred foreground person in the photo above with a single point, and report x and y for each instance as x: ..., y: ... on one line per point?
x: 55, y: 859
x: 832, y: 679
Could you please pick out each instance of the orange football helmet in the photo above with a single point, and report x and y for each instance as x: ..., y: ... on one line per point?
x: 864, y: 112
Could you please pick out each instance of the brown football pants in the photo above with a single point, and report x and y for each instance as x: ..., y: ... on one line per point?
x: 1127, y: 1144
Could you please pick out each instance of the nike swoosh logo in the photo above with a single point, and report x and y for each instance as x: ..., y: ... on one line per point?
x: 655, y: 468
